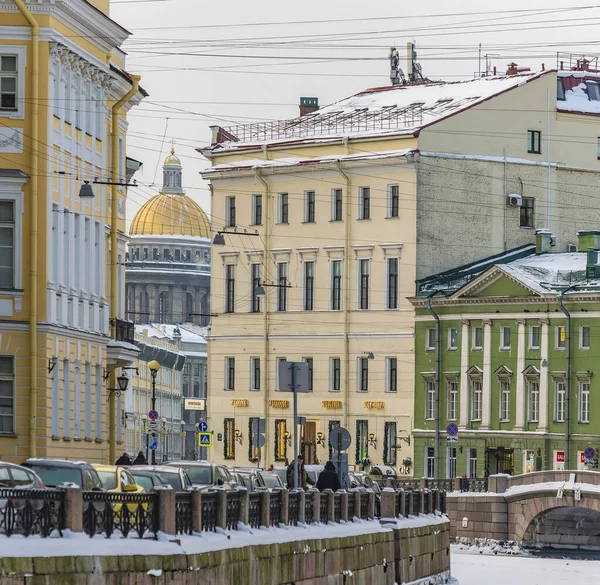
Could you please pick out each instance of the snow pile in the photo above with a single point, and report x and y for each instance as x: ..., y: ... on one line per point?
x: 553, y: 486
x: 487, y: 546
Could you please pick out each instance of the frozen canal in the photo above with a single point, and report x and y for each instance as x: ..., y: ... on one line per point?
x: 476, y: 569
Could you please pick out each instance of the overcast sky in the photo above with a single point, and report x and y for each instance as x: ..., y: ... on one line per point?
x: 195, y: 59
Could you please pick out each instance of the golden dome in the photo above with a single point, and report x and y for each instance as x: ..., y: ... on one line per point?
x: 170, y: 215
x: 172, y: 159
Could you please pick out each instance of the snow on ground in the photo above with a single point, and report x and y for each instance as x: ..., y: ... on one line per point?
x: 482, y: 569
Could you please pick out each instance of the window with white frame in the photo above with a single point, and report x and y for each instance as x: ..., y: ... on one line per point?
x: 9, y: 78
x: 256, y: 209
x: 309, y: 286
x: 393, y: 203
x: 363, y: 374
x: 392, y: 283
x: 229, y: 373
x: 533, y: 400
x: 560, y: 393
x: 255, y: 277
x: 477, y: 338
x: 534, y: 337
x: 310, y: 362
x: 336, y: 285
x: 472, y: 462
x: 364, y: 286
x: 452, y: 397
x: 282, y: 286
x: 390, y: 450
x: 430, y: 339
x: 7, y: 395
x: 230, y: 211
x: 309, y: 206
x: 336, y: 205
x: 505, y: 384
x: 504, y: 338
x: 476, y: 396
x: 584, y: 337
x: 335, y: 365
x: 254, y: 373
x: 451, y: 463
x: 364, y: 203
x: 7, y: 244
x: 583, y: 387
x: 277, y: 381
x: 429, y: 399
x: 391, y: 374
x: 282, y: 208
x: 230, y: 288
x: 452, y: 338
x: 560, y: 337
x: 429, y: 462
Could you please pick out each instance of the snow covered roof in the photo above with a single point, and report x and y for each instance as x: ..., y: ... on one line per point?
x: 581, y: 92
x: 188, y: 335
x: 384, y: 111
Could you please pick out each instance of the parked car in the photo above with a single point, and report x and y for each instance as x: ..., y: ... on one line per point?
x: 249, y: 479
x: 53, y: 472
x: 176, y: 477
x: 116, y: 478
x: 205, y: 475
x: 16, y: 477
x: 271, y: 480
x: 314, y: 471
x: 281, y: 473
x: 359, y: 479
x: 148, y: 481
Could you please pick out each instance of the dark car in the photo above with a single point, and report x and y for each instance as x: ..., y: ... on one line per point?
x: 177, y: 478
x: 17, y: 477
x: 53, y: 472
x: 205, y: 475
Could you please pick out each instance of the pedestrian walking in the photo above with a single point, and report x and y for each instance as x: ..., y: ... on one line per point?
x: 328, y: 478
x: 303, y: 477
x: 140, y: 459
x: 124, y: 459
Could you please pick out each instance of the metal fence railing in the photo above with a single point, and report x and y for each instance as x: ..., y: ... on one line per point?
x: 275, y: 508
x: 209, y: 512
x: 254, y: 510
x: 234, y: 504
x: 32, y: 512
x: 293, y: 508
x: 183, y: 513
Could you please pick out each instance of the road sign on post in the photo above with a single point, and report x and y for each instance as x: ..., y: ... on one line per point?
x: 203, y: 426
x: 339, y: 440
x: 452, y: 429
x: 153, y: 415
x: 205, y: 439
x: 259, y: 426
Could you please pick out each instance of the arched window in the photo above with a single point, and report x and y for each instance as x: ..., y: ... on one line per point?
x: 197, y: 389
x: 163, y: 307
x: 143, y: 309
x: 177, y: 179
x: 189, y: 308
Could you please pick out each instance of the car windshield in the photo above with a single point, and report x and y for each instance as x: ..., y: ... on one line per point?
x: 199, y: 474
x: 145, y: 482
x: 271, y: 481
x: 53, y: 476
x: 247, y: 481
x: 108, y: 479
x: 171, y: 478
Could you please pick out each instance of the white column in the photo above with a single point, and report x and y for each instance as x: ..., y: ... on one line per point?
x: 543, y: 415
x: 520, y: 394
x: 486, y: 386
x: 464, y: 382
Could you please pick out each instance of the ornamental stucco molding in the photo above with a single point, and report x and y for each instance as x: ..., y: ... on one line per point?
x: 70, y: 61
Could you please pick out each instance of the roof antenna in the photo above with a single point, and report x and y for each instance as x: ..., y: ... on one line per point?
x: 396, y: 74
x: 415, y: 71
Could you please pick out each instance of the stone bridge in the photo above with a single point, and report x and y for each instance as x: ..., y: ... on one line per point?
x: 548, y: 508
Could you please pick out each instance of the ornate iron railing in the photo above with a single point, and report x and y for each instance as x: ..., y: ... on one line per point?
x: 234, y: 507
x: 32, y: 512
x: 407, y: 484
x: 275, y: 508
x: 254, y: 509
x: 183, y: 513
x: 364, y: 506
x: 337, y: 507
x: 377, y: 505
x: 474, y: 484
x: 109, y: 512
x: 209, y: 511
x: 293, y: 508
x: 309, y: 508
x: 446, y: 485
x: 416, y: 502
x: 324, y: 508
x: 351, y: 510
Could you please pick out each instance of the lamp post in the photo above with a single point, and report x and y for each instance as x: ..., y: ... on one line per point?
x: 153, y: 366
x: 182, y: 435
x: 164, y: 432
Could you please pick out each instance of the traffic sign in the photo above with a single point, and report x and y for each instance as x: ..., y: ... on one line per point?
x: 259, y: 425
x: 205, y: 439
x: 153, y: 445
x: 590, y: 453
x: 452, y: 429
x: 153, y: 425
x: 203, y: 426
x: 339, y: 439
x: 452, y: 439
x: 153, y: 415
x: 258, y: 440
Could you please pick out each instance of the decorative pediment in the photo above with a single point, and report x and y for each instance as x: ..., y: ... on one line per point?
x: 503, y: 372
x: 494, y: 282
x: 475, y: 372
x: 531, y: 371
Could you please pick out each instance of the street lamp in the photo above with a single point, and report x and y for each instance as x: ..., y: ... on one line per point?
x: 164, y: 432
x: 320, y: 438
x: 153, y: 366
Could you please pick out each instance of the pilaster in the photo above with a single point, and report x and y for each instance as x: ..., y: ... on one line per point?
x: 464, y: 381
x: 520, y: 386
x: 486, y: 383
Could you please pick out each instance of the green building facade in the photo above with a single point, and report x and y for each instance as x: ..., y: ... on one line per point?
x: 518, y: 375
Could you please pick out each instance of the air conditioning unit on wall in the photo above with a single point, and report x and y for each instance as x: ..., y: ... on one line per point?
x: 514, y: 200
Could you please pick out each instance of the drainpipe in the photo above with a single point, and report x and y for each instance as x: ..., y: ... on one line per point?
x: 438, y: 364
x: 348, y: 227
x: 266, y: 307
x: 33, y: 221
x: 114, y: 218
x: 567, y: 372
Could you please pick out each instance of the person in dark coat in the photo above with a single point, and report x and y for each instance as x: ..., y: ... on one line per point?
x: 328, y: 478
x: 303, y: 478
x: 140, y: 459
x: 123, y: 460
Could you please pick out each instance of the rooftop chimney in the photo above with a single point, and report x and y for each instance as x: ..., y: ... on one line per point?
x: 589, y: 241
x: 308, y: 105
x: 543, y: 241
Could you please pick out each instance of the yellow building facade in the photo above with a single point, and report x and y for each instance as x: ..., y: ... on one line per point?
x: 62, y: 72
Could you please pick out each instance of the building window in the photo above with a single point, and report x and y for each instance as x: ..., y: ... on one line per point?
x: 526, y: 216
x: 8, y: 83
x: 476, y: 394
x: 331, y: 426
x: 452, y: 392
x: 255, y: 273
x: 363, y: 374
x: 534, y: 337
x: 282, y: 286
x: 283, y: 210
x: 229, y: 288
x: 229, y: 373
x: 391, y: 374
x: 504, y: 400
x: 393, y: 201
x: 584, y: 337
x: 533, y: 400
x: 559, y: 400
x: 429, y: 399
x: 336, y: 204
x: 584, y: 401
x: 362, y: 441
x: 309, y: 206
x: 451, y: 463
x: 167, y: 254
x: 336, y: 285
x: 229, y: 438
x: 7, y: 244
x: 389, y: 444
x: 309, y: 361
x: 504, y: 338
x: 334, y: 374
x: 7, y: 395
x: 256, y: 209
x: 453, y: 338
x: 230, y: 211
x: 477, y: 341
x: 280, y: 442
x: 430, y: 339
x: 429, y: 462
x: 253, y: 448
x: 561, y: 337
x: 309, y: 286
x: 392, y: 283
x: 472, y: 462
x: 364, y: 202
x: 364, y: 272
x: 255, y: 373
x: 163, y: 307
x: 534, y: 141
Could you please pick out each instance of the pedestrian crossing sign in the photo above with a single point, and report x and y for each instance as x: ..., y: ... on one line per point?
x: 205, y: 439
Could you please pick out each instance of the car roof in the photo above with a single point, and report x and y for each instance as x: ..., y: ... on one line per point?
x: 190, y: 463
x: 56, y: 463
x: 99, y: 467
x: 152, y: 468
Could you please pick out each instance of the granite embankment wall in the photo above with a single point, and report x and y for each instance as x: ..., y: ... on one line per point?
x: 396, y: 555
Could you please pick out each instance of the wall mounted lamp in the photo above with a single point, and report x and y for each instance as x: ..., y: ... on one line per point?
x: 122, y: 382
x: 287, y: 438
x: 320, y: 439
x: 373, y: 440
x: 52, y: 363
x: 238, y: 436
